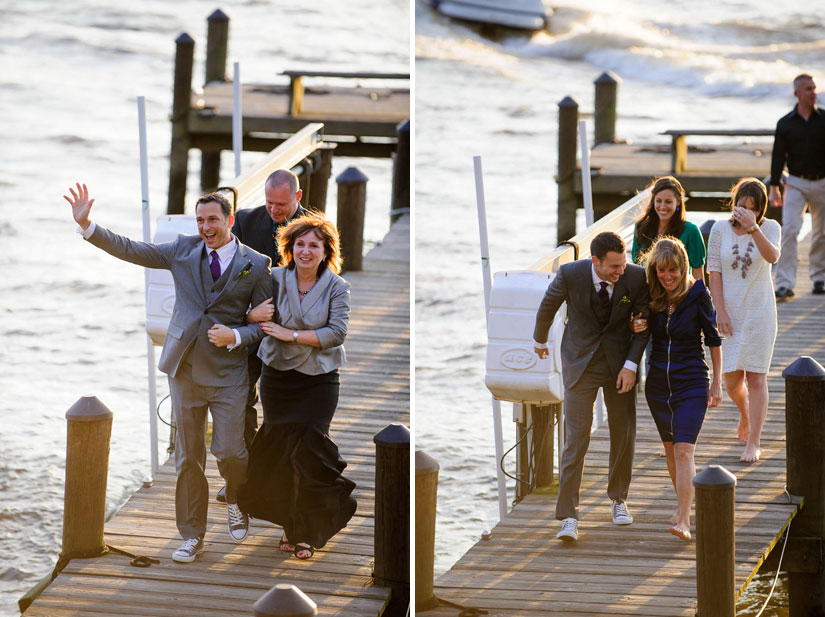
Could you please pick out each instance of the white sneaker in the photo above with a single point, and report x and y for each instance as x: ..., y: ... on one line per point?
x: 238, y: 522
x: 569, y: 530
x: 190, y: 549
x: 621, y: 516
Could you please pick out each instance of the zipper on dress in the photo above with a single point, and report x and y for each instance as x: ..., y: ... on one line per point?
x: 669, y: 388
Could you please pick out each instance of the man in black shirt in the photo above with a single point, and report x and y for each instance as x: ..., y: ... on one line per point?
x: 800, y: 142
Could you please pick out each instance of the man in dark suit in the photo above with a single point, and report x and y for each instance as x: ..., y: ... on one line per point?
x: 216, y: 279
x: 258, y: 228
x: 598, y: 350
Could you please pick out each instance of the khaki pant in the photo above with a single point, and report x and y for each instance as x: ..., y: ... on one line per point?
x: 799, y: 193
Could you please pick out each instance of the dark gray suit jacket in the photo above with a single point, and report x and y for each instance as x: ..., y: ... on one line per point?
x: 583, y: 334
x: 194, y: 314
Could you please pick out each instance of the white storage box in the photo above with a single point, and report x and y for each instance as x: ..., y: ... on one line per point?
x: 514, y: 372
x: 160, y: 297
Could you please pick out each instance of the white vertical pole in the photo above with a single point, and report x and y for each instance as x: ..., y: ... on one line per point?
x: 237, y: 118
x: 485, y: 272
x: 587, y: 192
x: 147, y: 233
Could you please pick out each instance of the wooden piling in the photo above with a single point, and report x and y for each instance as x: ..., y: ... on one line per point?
x: 805, y: 443
x: 305, y: 180
x: 401, y: 174
x: 544, y: 443
x: 89, y: 428
x: 715, y: 542
x: 217, y: 39
x: 392, y: 516
x: 352, y: 201
x: 426, y: 493
x: 285, y: 600
x: 604, y: 118
x: 320, y: 177
x: 179, y: 154
x: 567, y: 200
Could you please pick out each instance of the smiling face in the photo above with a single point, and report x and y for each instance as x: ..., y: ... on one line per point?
x: 670, y: 276
x: 213, y: 225
x: 281, y: 202
x: 665, y: 203
x: 611, y: 267
x: 308, y: 252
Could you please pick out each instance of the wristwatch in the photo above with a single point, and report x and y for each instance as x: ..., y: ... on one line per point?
x: 753, y: 229
x: 294, y: 336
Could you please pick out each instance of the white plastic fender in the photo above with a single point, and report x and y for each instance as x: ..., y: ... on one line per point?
x: 514, y: 371
x: 160, y: 296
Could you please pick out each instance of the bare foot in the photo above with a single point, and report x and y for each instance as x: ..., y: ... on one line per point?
x: 284, y: 545
x: 675, y: 518
x: 743, y: 430
x: 750, y: 455
x: 680, y: 532
x: 663, y: 453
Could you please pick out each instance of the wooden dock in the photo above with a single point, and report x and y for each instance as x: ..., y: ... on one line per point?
x: 641, y: 569
x: 228, y: 578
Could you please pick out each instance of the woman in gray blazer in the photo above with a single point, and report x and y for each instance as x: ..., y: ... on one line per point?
x: 294, y: 477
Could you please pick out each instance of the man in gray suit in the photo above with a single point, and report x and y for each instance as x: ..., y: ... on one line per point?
x: 598, y: 350
x: 216, y: 280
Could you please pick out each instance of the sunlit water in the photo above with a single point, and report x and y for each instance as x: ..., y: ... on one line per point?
x: 72, y: 317
x: 703, y: 64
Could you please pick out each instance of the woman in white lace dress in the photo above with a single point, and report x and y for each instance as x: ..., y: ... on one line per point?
x: 740, y: 253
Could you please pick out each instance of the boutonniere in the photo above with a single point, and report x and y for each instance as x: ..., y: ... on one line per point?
x: 624, y: 300
x: 243, y: 272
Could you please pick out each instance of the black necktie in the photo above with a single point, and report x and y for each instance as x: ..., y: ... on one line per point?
x: 602, y: 293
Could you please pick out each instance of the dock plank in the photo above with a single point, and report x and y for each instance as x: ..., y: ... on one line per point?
x: 228, y: 578
x: 641, y: 569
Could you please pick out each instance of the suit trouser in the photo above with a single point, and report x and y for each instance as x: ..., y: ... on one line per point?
x: 578, y: 421
x: 190, y: 402
x: 799, y: 192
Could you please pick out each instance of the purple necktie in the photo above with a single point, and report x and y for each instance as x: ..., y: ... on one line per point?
x: 215, y: 266
x: 602, y: 293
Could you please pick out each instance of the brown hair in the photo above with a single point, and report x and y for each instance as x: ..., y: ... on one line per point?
x: 647, y: 225
x: 219, y: 199
x: 666, y: 252
x: 323, y: 229
x: 605, y: 242
x: 750, y: 187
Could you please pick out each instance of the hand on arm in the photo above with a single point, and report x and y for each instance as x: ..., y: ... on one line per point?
x: 81, y: 205
x: 638, y: 323
x: 262, y: 312
x: 305, y: 337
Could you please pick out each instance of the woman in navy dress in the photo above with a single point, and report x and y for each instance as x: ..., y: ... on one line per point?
x: 677, y: 389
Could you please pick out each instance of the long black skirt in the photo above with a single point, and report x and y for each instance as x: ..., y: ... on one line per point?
x: 295, y: 471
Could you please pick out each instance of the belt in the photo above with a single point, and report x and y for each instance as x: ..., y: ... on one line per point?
x: 812, y: 178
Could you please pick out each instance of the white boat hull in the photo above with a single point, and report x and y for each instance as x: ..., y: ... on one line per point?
x: 518, y: 14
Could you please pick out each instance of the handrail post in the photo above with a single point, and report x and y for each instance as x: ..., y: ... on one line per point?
x: 805, y: 443
x: 88, y: 431
x: 426, y: 493
x: 715, y: 542
x: 567, y: 201
x: 320, y: 177
x: 352, y: 202
x: 217, y: 43
x: 392, y: 516
x: 181, y: 102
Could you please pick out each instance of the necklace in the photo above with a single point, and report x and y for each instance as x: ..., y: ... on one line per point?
x: 670, y: 308
x: 302, y: 293
x: 746, y: 260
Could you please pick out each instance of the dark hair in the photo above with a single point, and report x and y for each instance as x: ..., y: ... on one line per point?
x: 800, y: 78
x: 323, y: 229
x: 219, y: 199
x: 647, y: 225
x: 606, y: 242
x: 751, y: 187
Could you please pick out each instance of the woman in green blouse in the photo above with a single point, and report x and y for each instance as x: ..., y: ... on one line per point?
x: 665, y: 216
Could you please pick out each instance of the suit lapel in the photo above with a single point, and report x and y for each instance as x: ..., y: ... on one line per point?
x: 293, y: 299
x: 316, y: 292
x: 199, y: 253
x: 589, y: 292
x: 619, y: 291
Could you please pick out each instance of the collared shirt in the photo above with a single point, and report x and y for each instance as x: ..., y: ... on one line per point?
x: 801, y: 144
x: 597, y: 282
x: 225, y: 253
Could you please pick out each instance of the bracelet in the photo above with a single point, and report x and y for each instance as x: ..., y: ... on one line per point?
x: 753, y: 229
